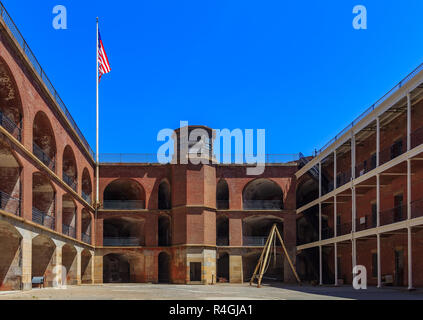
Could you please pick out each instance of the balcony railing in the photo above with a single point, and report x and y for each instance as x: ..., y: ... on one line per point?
x: 43, y: 219
x: 343, y: 178
x: 86, y: 238
x: 123, y: 204
x: 222, y: 204
x: 43, y: 157
x: 390, y: 153
x: 10, y: 126
x: 222, y: 242
x: 365, y: 166
x: 86, y: 197
x: 255, y: 241
x: 70, y: 181
x: 365, y: 223
x: 393, y: 215
x: 121, y: 242
x: 37, y: 67
x: 417, y: 208
x: 69, y: 231
x: 263, y: 205
x: 10, y: 204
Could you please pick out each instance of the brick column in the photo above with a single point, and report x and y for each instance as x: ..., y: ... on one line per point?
x: 236, y: 274
x: 26, y: 248
x: 97, y: 265
x: 78, y: 265
x: 26, y: 178
x: 79, y: 222
x: 235, y: 232
x: 58, y: 278
x: 150, y: 231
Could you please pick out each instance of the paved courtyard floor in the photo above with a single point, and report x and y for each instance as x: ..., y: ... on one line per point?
x: 214, y: 292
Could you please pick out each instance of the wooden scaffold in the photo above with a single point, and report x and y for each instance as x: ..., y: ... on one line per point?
x: 264, y: 260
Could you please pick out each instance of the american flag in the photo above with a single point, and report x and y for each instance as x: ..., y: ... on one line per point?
x: 103, y: 61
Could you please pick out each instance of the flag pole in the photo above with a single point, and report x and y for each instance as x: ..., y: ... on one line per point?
x: 97, y: 124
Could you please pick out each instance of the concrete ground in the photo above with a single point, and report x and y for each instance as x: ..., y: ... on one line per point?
x: 214, y: 292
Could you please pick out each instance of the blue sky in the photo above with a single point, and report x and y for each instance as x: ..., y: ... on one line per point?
x: 297, y: 69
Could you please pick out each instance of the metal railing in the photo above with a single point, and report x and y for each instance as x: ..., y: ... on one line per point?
x: 10, y: 204
x: 365, y: 166
x: 153, y: 158
x: 31, y: 57
x: 70, y: 181
x: 343, y: 229
x: 262, y: 204
x: 254, y: 241
x: 86, y: 197
x: 222, y: 204
x: 391, y: 152
x: 13, y: 128
x: 69, y: 231
x: 393, y: 215
x: 121, y: 242
x: 43, y: 218
x: 123, y: 204
x: 43, y: 157
x: 372, y: 108
x: 365, y: 223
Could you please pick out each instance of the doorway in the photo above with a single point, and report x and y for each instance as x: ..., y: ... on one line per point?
x: 399, y: 267
x: 195, y: 271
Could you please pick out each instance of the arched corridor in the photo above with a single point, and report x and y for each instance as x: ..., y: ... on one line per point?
x: 223, y: 267
x: 86, y: 267
x: 43, y: 201
x: 10, y: 257
x: 262, y: 194
x: 222, y: 231
x: 86, y: 186
x: 164, y: 231
x: 10, y: 183
x: 116, y: 269
x: 222, y: 195
x: 68, y: 216
x: 69, y: 170
x: 44, y: 142
x: 164, y: 196
x: 123, y: 232
x: 256, y: 229
x: 43, y: 258
x: 69, y: 261
x: 11, y: 113
x: 124, y: 194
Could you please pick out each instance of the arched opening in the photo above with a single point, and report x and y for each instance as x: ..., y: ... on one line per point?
x: 70, y: 263
x: 68, y: 216
x: 256, y: 229
x: 44, y: 143
x: 116, y: 269
x: 262, y: 194
x: 222, y: 231
x: 124, y: 194
x: 274, y: 271
x: 70, y: 172
x: 86, y: 223
x: 164, y: 231
x: 86, y: 267
x: 43, y: 201
x: 10, y: 102
x: 43, y: 259
x: 164, y: 195
x: 164, y: 267
x: 10, y: 258
x: 222, y: 195
x: 86, y: 186
x: 123, y: 232
x: 307, y: 191
x: 10, y: 185
x: 223, y: 267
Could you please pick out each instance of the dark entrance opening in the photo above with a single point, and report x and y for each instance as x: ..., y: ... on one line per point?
x: 164, y: 268
x: 116, y: 269
x: 223, y: 268
x: 399, y: 267
x: 164, y: 231
x: 195, y: 271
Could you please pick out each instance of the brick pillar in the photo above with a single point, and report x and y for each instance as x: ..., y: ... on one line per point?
x: 56, y: 277
x: 235, y: 232
x: 59, y: 212
x: 79, y: 222
x: 26, y: 249
x: 92, y: 226
x: 78, y: 266
x: 26, y: 187
x: 98, y: 268
x: 236, y: 274
x: 99, y: 231
x: 150, y: 229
